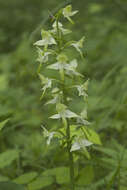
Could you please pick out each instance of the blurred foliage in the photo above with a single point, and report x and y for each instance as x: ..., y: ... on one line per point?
x: 24, y: 156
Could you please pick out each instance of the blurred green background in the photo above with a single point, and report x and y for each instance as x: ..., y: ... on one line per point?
x: 103, y: 22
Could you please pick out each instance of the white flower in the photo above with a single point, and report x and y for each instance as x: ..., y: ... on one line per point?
x: 71, y: 68
x: 55, y: 100
x: 60, y: 64
x: 80, y: 144
x: 55, y: 90
x: 63, y: 112
x: 82, y: 89
x: 47, y: 39
x: 46, y: 82
x: 79, y: 44
x: 55, y: 25
x: 48, y: 135
x: 67, y: 12
x: 42, y: 56
x: 82, y: 119
x: 63, y: 30
x: 57, y: 66
x: 52, y: 101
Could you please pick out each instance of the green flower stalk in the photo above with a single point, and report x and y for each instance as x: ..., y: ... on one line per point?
x: 74, y: 131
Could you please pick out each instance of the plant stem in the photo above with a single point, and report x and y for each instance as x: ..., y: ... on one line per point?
x: 58, y: 33
x: 71, y: 162
x: 66, y: 122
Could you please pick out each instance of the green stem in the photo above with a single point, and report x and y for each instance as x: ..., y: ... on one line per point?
x: 71, y: 161
x: 66, y: 122
x: 58, y: 32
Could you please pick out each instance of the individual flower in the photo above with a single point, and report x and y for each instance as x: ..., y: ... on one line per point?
x: 78, y: 45
x: 82, y: 121
x: 46, y: 82
x: 67, y: 12
x: 63, y: 112
x: 82, y: 89
x: 48, y: 135
x: 80, y: 143
x: 54, y: 100
x: 63, y: 30
x: 60, y: 64
x: 47, y: 39
x: 56, y: 97
x: 71, y: 68
x: 42, y: 55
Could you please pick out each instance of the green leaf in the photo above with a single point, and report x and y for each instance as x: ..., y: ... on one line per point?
x: 108, y: 151
x: 86, y: 176
x: 86, y: 153
x: 62, y: 175
x: 113, y: 177
x: 40, y: 183
x: 92, y: 136
x: 11, y: 186
x: 25, y: 178
x: 100, y: 182
x: 3, y: 178
x: 2, y: 124
x: 75, y: 131
x: 109, y: 162
x: 48, y: 172
x: 7, y: 157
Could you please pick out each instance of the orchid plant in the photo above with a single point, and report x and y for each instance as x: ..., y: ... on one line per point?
x: 74, y: 131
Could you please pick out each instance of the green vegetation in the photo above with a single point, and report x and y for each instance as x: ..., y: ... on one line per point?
x: 73, y: 130
x: 26, y: 161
